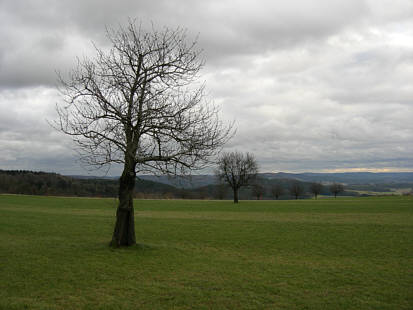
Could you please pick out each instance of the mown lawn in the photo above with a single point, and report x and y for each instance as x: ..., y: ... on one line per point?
x: 344, y: 253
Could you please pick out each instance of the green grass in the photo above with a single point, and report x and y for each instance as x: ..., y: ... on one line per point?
x: 348, y: 253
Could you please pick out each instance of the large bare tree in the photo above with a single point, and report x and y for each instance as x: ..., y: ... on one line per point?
x: 237, y: 170
x: 139, y: 105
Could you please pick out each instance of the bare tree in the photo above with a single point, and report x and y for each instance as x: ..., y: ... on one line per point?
x: 237, y: 170
x: 258, y: 190
x: 138, y: 105
x: 277, y: 190
x: 336, y: 188
x: 296, y: 189
x: 316, y: 188
x: 221, y: 190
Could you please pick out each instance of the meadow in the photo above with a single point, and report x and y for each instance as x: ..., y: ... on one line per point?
x: 344, y: 253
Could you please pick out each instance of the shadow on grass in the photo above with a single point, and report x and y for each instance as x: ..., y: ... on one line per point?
x: 139, y: 247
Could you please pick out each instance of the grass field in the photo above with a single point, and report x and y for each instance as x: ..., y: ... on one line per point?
x: 352, y: 253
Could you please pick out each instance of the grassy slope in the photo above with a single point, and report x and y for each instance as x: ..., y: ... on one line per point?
x: 326, y: 254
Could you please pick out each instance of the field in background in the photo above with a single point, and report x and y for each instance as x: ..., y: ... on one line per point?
x: 347, y: 253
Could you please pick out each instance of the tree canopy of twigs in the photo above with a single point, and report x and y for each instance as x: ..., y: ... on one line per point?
x: 316, y: 188
x: 257, y: 190
x: 336, y: 188
x: 277, y: 190
x: 296, y: 189
x: 140, y: 104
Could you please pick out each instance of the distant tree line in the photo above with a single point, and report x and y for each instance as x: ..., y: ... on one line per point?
x: 52, y: 184
x: 276, y: 189
x: 42, y: 183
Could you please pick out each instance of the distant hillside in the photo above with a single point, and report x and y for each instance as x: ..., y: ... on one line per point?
x: 199, y: 186
x: 356, y: 183
x: 399, y: 179
x: 43, y: 183
x: 347, y: 177
x: 187, y: 182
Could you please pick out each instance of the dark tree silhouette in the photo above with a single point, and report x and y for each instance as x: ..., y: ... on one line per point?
x: 258, y: 190
x: 315, y: 189
x: 237, y: 170
x: 138, y: 105
x: 277, y: 190
x: 221, y: 190
x: 336, y: 188
x: 296, y: 189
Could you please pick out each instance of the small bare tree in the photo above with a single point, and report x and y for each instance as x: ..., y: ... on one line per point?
x: 315, y: 189
x: 296, y: 189
x: 137, y: 105
x: 258, y: 190
x: 221, y: 190
x: 336, y: 188
x: 237, y: 170
x: 277, y: 190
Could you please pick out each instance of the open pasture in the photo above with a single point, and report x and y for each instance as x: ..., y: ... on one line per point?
x: 348, y: 253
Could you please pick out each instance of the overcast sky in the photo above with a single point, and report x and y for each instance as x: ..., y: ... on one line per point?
x: 314, y: 85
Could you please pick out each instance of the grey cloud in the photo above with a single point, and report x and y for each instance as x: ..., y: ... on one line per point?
x: 312, y: 85
x: 226, y: 28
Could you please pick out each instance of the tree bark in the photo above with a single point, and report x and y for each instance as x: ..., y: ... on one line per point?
x: 235, y: 195
x: 124, y: 233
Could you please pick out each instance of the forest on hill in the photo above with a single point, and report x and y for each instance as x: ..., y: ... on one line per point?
x: 53, y: 184
x: 43, y: 183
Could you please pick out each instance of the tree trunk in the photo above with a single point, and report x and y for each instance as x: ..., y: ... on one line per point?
x: 235, y: 195
x: 124, y: 233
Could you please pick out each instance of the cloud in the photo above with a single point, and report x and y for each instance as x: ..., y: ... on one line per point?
x: 47, y: 35
x: 25, y: 136
x: 312, y: 85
